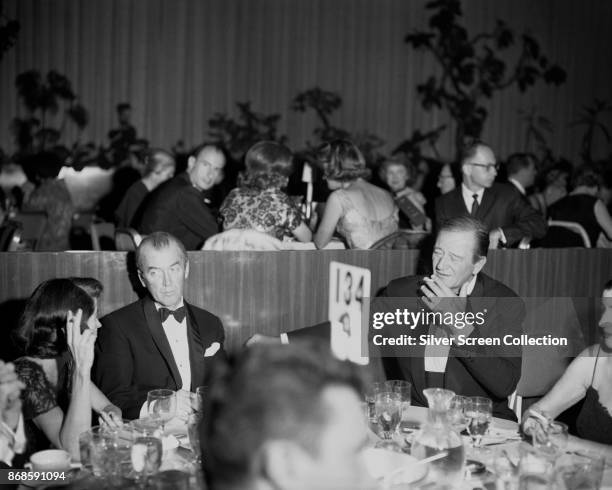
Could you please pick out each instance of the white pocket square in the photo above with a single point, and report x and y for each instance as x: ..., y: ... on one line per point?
x: 212, y: 349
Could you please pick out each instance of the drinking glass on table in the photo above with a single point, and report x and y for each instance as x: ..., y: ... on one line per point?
x: 161, y: 404
x: 193, y: 429
x: 388, y: 409
x: 456, y: 413
x: 554, y: 437
x: 200, y: 397
x: 479, y: 411
x: 147, y: 447
x: 370, y: 396
x: 581, y: 469
x: 404, y: 389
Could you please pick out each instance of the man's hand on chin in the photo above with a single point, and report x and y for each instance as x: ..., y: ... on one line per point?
x: 439, y: 297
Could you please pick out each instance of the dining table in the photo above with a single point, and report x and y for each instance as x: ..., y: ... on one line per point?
x: 503, y: 437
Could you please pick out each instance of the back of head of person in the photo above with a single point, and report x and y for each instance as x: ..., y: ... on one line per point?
x: 285, y: 417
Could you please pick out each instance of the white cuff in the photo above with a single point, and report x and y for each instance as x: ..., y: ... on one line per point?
x: 284, y: 338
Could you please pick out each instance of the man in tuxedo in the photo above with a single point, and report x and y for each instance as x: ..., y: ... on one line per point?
x: 160, y: 341
x: 457, y: 285
x: 507, y: 215
x: 178, y: 206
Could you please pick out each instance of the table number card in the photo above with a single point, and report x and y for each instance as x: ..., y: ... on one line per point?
x: 348, y: 286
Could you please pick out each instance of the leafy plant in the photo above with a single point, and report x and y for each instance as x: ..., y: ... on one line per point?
x: 43, y: 98
x: 238, y: 135
x: 9, y: 29
x: 414, y: 146
x: 471, y: 67
x: 590, y: 118
x: 324, y: 103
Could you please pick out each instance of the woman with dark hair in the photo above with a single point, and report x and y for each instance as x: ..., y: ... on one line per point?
x: 588, y: 377
x: 359, y: 211
x: 57, y: 332
x: 259, y: 202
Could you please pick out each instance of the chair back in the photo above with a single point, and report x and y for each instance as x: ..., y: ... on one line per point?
x: 562, y: 234
x: 10, y: 236
x: 400, y: 240
x: 33, y: 225
x: 101, y: 233
x: 127, y: 239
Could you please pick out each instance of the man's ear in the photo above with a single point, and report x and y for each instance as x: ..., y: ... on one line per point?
x: 480, y: 263
x: 190, y: 162
x: 281, y: 462
x: 140, y: 278
x: 186, y: 268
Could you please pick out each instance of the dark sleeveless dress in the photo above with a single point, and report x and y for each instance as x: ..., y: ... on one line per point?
x: 594, y: 422
x: 580, y: 209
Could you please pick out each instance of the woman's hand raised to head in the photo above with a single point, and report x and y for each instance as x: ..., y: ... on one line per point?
x: 81, y: 345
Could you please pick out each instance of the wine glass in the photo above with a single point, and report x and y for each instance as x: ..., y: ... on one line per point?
x: 554, y: 437
x: 161, y: 404
x: 479, y: 411
x: 388, y: 410
x: 456, y: 413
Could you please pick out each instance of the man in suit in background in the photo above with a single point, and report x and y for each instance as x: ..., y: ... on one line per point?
x: 458, y: 285
x: 521, y: 169
x: 160, y: 341
x: 501, y: 207
x: 178, y: 206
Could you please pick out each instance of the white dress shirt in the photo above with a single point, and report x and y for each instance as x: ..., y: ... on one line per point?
x: 176, y: 333
x: 11, y: 443
x: 436, y: 356
x: 468, y: 196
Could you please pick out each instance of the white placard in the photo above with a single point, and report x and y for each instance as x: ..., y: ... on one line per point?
x: 348, y: 285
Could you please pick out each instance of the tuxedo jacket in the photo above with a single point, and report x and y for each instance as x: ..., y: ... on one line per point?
x: 178, y: 208
x: 502, y: 206
x: 133, y: 356
x: 488, y: 371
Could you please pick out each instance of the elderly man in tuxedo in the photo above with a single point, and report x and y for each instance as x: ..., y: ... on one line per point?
x: 504, y: 211
x: 458, y: 285
x: 160, y: 341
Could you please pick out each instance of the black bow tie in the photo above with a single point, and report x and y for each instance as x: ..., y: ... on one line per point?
x: 178, y: 314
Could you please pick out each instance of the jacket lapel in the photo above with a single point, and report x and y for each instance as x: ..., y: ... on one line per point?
x: 159, y: 337
x: 488, y: 198
x: 196, y: 350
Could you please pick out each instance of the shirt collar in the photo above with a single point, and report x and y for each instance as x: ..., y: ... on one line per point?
x: 468, y: 195
x: 518, y: 185
x: 158, y: 305
x: 472, y: 284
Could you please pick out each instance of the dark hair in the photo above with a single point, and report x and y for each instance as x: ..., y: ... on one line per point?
x: 608, y: 285
x: 342, y: 161
x: 123, y: 106
x: 91, y: 286
x: 154, y: 159
x: 588, y: 177
x: 518, y: 161
x: 41, y: 330
x: 159, y: 240
x: 271, y: 392
x: 268, y: 164
x: 477, y: 228
x: 469, y: 148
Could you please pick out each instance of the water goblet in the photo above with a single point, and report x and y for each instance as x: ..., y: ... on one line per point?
x: 388, y: 407
x: 554, y: 437
x: 479, y: 411
x: 404, y: 388
x: 161, y: 404
x: 146, y: 454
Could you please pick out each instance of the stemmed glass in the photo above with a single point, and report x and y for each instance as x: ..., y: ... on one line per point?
x: 456, y: 413
x: 388, y: 409
x: 161, y: 404
x: 479, y: 411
